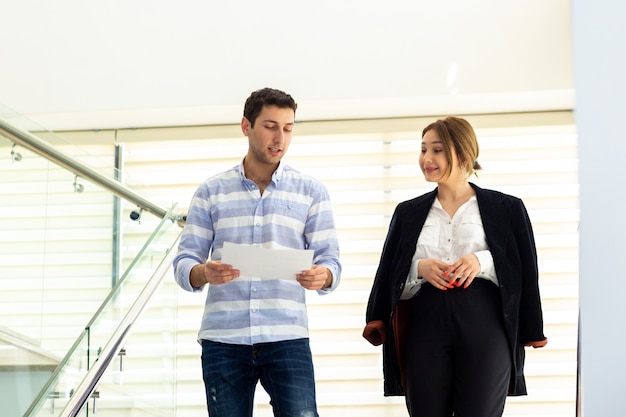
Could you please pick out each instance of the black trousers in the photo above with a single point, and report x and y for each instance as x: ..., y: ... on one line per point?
x: 458, y: 361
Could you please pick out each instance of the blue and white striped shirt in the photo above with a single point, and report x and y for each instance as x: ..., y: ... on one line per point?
x: 294, y: 212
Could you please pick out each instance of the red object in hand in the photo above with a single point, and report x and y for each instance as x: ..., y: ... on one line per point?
x: 375, y: 332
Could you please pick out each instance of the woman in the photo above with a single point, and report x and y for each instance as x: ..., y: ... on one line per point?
x: 456, y: 298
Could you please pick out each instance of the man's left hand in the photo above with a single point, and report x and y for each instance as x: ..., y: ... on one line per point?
x: 316, y: 278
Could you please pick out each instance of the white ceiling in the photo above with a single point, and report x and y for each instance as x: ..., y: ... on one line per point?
x: 73, y: 63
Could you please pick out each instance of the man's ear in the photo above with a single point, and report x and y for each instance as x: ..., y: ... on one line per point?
x: 245, y: 126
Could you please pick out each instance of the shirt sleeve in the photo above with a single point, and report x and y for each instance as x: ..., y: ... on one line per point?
x: 487, y: 268
x: 321, y: 235
x: 196, y: 240
x: 413, y: 283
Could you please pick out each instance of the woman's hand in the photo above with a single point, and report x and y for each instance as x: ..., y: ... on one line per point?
x: 463, y: 271
x: 434, y: 272
x: 537, y: 343
x: 375, y: 332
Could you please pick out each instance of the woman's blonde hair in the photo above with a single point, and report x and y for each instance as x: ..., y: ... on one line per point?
x: 456, y: 133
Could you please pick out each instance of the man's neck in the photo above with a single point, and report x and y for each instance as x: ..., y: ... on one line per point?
x: 260, y: 175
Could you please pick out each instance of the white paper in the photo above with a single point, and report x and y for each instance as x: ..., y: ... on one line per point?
x: 265, y: 262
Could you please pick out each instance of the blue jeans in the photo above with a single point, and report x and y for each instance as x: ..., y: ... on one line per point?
x: 285, y: 370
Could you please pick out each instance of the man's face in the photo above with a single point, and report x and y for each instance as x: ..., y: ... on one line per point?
x: 270, y: 137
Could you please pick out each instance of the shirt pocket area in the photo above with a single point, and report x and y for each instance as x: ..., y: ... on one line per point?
x: 429, y: 236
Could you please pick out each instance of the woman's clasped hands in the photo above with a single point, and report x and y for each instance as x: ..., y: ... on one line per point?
x: 444, y: 276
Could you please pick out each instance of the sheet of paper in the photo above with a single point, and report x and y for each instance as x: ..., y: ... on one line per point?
x: 265, y: 262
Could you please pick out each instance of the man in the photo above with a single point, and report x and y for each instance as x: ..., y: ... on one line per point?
x: 256, y: 329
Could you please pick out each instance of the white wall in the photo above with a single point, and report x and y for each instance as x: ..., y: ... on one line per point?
x: 600, y: 62
x: 119, y: 63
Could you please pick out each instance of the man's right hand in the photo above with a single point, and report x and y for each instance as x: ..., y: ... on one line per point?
x: 212, y: 272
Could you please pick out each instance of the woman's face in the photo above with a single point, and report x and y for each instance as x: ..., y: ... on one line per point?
x: 433, y: 160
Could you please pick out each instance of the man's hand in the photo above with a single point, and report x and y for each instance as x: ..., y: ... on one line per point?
x: 212, y: 272
x: 316, y: 278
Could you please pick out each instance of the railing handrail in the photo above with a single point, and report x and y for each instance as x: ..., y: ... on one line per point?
x: 46, y: 150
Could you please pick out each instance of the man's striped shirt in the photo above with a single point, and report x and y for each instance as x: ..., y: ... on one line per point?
x: 294, y: 212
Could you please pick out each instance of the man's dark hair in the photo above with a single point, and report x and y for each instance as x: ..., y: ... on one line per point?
x: 266, y: 97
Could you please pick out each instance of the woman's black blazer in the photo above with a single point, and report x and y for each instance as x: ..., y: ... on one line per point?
x: 510, y: 239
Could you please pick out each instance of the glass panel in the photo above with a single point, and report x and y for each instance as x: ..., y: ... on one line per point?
x: 63, y: 241
x: 142, y: 377
x: 55, y: 266
x: 97, y: 333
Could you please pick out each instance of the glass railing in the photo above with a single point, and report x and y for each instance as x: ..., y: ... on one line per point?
x: 142, y: 365
x: 142, y: 378
x: 65, y: 239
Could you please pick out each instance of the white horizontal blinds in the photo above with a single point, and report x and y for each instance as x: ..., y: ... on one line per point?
x: 170, y: 171
x: 369, y: 166
x: 541, y: 167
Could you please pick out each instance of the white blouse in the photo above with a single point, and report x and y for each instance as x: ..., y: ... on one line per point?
x: 449, y: 239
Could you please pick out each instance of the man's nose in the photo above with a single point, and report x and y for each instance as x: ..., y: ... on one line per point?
x: 279, y: 137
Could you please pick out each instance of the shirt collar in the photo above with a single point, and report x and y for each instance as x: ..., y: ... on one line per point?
x: 276, y: 176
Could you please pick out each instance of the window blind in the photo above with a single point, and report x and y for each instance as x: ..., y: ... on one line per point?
x: 369, y: 166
